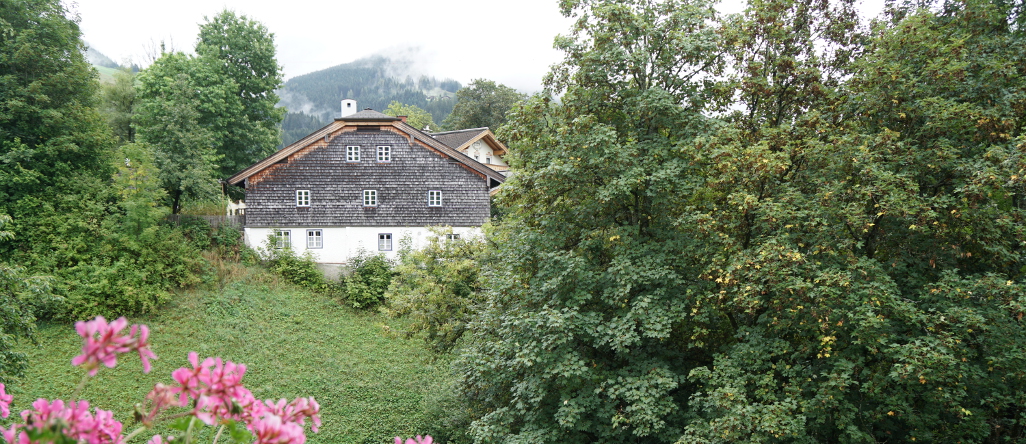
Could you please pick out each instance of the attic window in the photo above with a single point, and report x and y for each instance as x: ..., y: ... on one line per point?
x: 370, y: 198
x: 302, y: 198
x: 364, y: 129
x: 435, y: 198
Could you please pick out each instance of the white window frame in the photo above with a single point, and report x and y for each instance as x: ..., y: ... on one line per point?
x: 352, y: 153
x: 384, y: 241
x: 302, y: 198
x: 370, y: 198
x: 434, y: 198
x: 384, y: 153
x: 452, y: 236
x: 282, y: 239
x: 314, y: 239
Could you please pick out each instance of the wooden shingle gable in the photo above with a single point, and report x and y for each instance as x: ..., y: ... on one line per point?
x: 334, y: 186
x: 320, y: 139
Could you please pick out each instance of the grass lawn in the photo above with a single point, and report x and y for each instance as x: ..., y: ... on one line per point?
x: 293, y: 342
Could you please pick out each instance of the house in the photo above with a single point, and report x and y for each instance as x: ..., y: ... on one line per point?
x: 367, y: 181
x: 479, y: 144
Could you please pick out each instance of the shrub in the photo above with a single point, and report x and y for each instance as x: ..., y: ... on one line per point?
x: 365, y: 280
x: 296, y: 269
x: 436, y: 288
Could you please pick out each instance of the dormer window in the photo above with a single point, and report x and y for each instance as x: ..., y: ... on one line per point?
x: 352, y: 153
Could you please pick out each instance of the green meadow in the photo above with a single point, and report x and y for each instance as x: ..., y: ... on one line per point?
x: 371, y: 387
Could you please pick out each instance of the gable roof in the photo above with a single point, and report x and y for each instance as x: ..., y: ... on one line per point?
x: 369, y: 118
x: 462, y: 139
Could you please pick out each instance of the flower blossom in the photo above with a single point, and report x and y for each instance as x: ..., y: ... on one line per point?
x: 419, y: 440
x: 215, y: 385
x: 73, y: 419
x: 103, y: 342
x: 271, y: 429
x: 297, y: 411
x: 5, y: 402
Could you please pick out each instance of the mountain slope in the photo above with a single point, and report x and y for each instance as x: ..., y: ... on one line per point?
x: 314, y: 99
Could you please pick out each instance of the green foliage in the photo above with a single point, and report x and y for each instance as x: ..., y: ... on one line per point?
x: 416, y: 117
x: 241, y: 54
x: 100, y: 265
x: 838, y: 257
x: 48, y: 127
x: 295, y: 269
x: 436, y: 289
x: 365, y: 280
x: 20, y: 297
x: 117, y: 103
x: 175, y: 94
x: 138, y: 186
x: 482, y: 103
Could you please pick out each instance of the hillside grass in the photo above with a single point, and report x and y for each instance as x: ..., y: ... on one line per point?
x: 293, y: 342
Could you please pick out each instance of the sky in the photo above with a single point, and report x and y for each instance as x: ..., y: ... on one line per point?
x: 509, y: 41
x: 506, y: 41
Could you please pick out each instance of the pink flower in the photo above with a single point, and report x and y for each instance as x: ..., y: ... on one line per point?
x: 5, y: 402
x: 73, y: 420
x: 216, y: 386
x: 103, y: 342
x: 419, y: 440
x: 270, y: 429
x: 297, y: 411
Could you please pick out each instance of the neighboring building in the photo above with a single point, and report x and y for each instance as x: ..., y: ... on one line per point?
x: 479, y: 144
x: 366, y: 181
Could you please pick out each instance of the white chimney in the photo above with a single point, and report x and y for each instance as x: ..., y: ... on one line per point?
x: 348, y: 107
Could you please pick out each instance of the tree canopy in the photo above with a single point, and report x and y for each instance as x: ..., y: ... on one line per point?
x: 48, y: 127
x: 482, y: 103
x: 240, y: 54
x: 774, y: 226
x: 416, y: 117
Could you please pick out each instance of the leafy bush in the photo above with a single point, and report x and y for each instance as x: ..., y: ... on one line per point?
x: 365, y: 279
x: 435, y: 289
x: 78, y: 236
x: 299, y: 270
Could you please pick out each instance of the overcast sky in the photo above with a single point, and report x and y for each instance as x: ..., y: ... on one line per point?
x: 506, y: 41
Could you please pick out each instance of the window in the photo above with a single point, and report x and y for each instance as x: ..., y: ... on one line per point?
x: 282, y: 239
x: 314, y: 239
x: 488, y: 160
x: 302, y: 198
x: 452, y: 236
x: 385, y: 242
x: 434, y: 198
x: 370, y: 198
x: 352, y: 154
x: 384, y: 153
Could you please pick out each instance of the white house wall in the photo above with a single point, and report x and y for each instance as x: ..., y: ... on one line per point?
x: 341, y: 243
x: 480, y: 151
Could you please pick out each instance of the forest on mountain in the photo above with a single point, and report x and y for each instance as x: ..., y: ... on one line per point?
x: 314, y: 99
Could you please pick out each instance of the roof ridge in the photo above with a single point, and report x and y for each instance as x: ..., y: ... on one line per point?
x: 460, y: 131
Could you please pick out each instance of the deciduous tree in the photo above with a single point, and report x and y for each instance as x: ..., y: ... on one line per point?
x: 416, y: 117
x: 240, y: 49
x: 482, y: 103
